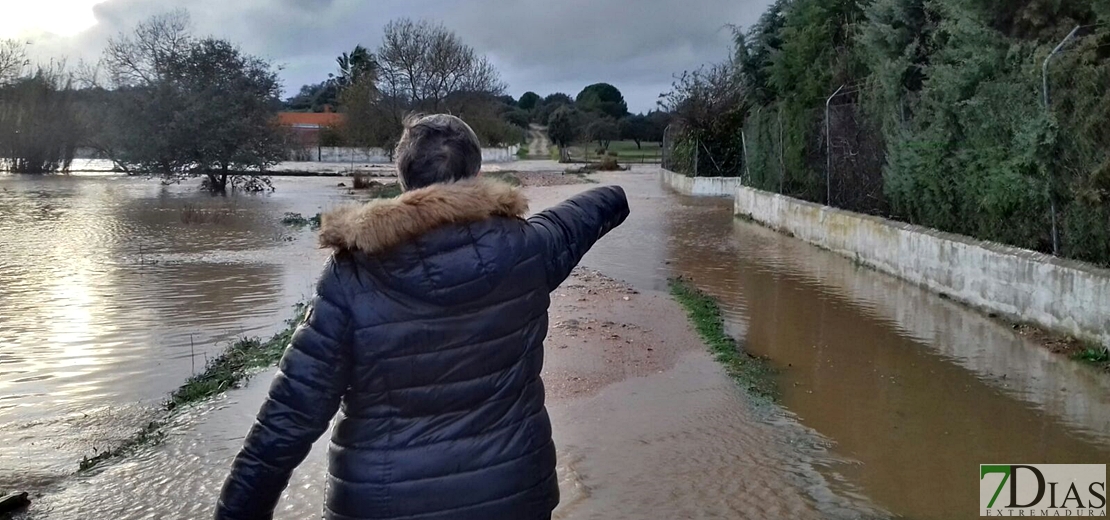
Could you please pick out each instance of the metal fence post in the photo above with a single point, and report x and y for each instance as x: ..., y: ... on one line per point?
x: 1048, y: 109
x: 697, y: 143
x: 782, y: 152
x: 747, y: 168
x: 828, y: 149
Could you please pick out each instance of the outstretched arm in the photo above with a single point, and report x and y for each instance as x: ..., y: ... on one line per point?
x: 303, y: 398
x: 570, y: 229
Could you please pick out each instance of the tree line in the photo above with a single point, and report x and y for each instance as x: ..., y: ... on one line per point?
x: 166, y: 102
x: 160, y: 101
x: 953, y: 114
x: 423, y: 67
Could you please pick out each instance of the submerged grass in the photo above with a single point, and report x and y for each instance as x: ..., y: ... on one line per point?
x: 234, y: 365
x: 754, y: 374
x: 149, y: 435
x: 224, y: 372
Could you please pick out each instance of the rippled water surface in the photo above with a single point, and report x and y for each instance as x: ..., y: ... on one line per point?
x: 110, y: 300
x: 913, y: 390
x: 113, y: 293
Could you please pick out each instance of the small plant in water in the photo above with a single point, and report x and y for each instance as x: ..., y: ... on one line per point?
x: 195, y: 215
x: 297, y: 220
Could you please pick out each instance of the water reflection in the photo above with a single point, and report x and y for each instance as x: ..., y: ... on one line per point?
x: 917, y: 389
x: 109, y: 299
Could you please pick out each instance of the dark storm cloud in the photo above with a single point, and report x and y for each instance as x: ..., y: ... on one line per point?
x: 540, y: 45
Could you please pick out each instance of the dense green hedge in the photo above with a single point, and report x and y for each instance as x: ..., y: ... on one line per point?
x: 941, y: 122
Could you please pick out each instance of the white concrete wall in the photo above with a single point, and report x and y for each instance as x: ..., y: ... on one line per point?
x: 1061, y: 295
x: 702, y: 186
x: 336, y: 154
x: 1010, y: 362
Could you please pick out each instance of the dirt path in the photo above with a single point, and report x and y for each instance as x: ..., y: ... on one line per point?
x: 538, y: 144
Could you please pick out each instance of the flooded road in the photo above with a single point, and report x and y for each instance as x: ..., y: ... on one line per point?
x: 909, y: 392
x: 914, y: 390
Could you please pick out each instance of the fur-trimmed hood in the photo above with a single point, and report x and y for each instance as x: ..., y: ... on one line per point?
x: 382, y: 224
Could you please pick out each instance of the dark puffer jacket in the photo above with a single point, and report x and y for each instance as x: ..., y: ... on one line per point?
x: 428, y: 325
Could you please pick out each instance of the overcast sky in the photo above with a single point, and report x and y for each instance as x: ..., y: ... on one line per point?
x: 540, y: 45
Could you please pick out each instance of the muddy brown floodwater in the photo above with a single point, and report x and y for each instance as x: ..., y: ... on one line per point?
x: 891, y: 396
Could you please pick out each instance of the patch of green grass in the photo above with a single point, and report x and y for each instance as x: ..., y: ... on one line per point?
x: 506, y: 177
x: 754, y: 374
x: 1094, y: 355
x: 150, y: 435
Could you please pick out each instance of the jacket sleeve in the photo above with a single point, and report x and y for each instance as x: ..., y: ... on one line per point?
x: 304, y: 396
x: 570, y: 229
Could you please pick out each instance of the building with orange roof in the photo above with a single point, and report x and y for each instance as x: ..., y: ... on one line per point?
x: 305, y: 128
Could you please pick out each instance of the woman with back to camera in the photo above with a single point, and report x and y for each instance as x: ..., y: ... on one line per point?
x: 427, y: 325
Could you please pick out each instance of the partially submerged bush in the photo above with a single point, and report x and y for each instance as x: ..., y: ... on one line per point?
x: 377, y: 189
x: 360, y: 181
x: 608, y: 163
x: 298, y: 221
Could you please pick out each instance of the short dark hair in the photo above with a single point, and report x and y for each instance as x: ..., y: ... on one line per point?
x: 436, y: 148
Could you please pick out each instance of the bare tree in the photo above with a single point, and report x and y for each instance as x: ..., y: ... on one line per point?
x: 425, y: 63
x: 140, y: 57
x: 13, y: 60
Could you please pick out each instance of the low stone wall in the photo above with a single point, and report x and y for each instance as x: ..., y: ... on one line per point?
x: 335, y: 154
x: 702, y: 186
x: 1061, y: 295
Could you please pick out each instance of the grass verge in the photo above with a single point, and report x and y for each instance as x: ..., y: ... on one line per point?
x: 222, y: 373
x: 754, y: 374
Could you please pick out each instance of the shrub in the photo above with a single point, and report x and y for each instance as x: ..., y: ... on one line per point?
x: 608, y: 163
x: 360, y: 182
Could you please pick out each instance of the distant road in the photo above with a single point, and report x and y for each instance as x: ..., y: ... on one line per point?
x: 538, y: 144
